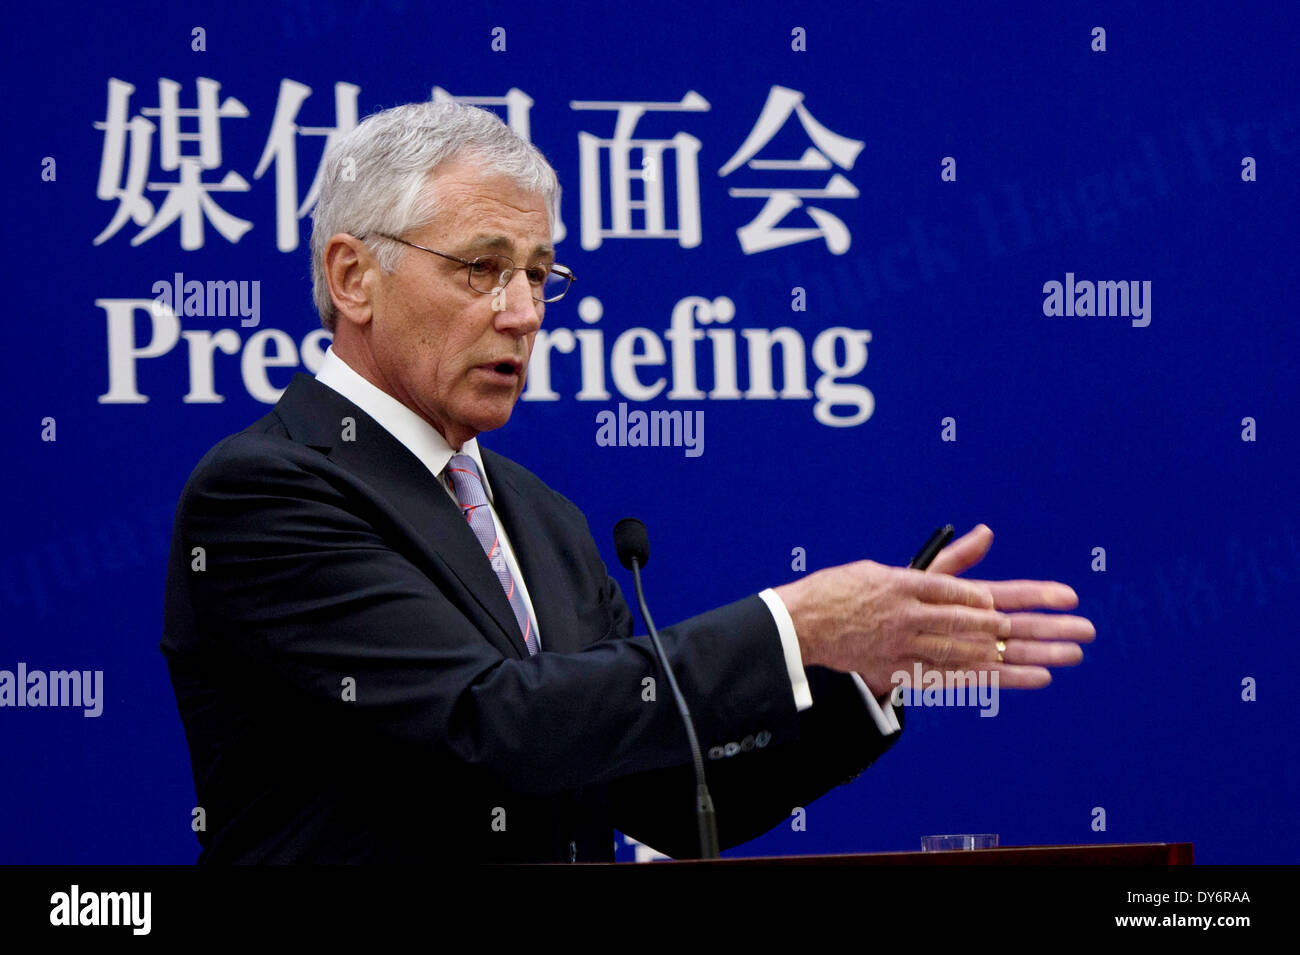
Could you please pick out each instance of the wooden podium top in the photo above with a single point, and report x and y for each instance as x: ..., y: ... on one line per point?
x: 1135, y: 853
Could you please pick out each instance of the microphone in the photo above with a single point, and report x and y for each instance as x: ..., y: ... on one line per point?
x: 632, y: 543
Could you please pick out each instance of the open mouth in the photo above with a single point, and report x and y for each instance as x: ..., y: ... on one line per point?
x: 508, y: 367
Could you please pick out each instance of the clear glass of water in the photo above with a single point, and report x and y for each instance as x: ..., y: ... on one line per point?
x: 978, y: 840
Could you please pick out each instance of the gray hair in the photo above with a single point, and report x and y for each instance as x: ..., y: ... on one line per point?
x: 377, y: 177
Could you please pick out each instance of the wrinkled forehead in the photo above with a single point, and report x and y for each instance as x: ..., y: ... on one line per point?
x: 489, y: 211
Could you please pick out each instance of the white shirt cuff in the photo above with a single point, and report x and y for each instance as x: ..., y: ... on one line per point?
x: 790, y: 645
x: 886, y: 719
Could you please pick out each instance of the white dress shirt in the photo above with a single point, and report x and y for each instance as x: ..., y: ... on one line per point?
x: 427, y: 443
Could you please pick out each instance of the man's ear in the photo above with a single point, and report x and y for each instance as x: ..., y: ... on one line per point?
x: 348, y: 261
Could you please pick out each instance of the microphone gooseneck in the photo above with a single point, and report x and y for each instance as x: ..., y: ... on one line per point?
x: 632, y: 543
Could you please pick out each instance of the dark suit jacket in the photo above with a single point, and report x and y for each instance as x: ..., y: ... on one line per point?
x: 354, y: 687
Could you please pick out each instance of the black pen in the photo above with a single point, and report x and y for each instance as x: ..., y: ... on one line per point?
x: 937, y: 542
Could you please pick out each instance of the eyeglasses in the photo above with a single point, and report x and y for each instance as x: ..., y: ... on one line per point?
x: 488, y: 274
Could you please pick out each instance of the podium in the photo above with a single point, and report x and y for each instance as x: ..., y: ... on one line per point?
x: 1109, y: 854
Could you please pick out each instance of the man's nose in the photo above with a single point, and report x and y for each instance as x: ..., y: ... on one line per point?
x: 513, y: 302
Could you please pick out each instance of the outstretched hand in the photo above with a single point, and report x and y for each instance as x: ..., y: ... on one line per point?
x: 879, y: 620
x: 1037, y: 640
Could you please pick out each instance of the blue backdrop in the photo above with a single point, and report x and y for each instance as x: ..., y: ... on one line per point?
x: 869, y: 201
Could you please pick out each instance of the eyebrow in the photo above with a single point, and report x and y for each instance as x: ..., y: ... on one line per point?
x: 503, y: 244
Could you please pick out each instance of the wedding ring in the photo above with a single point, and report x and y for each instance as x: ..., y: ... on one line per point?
x: 1002, y: 648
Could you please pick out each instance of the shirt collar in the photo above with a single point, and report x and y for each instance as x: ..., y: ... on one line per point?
x: 416, y: 435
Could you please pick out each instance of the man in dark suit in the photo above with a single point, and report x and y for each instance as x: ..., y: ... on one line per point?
x: 388, y: 644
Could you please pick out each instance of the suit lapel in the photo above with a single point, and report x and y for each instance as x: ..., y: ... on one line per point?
x: 314, y: 415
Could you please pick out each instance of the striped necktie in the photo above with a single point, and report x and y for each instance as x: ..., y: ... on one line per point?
x: 470, y: 494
